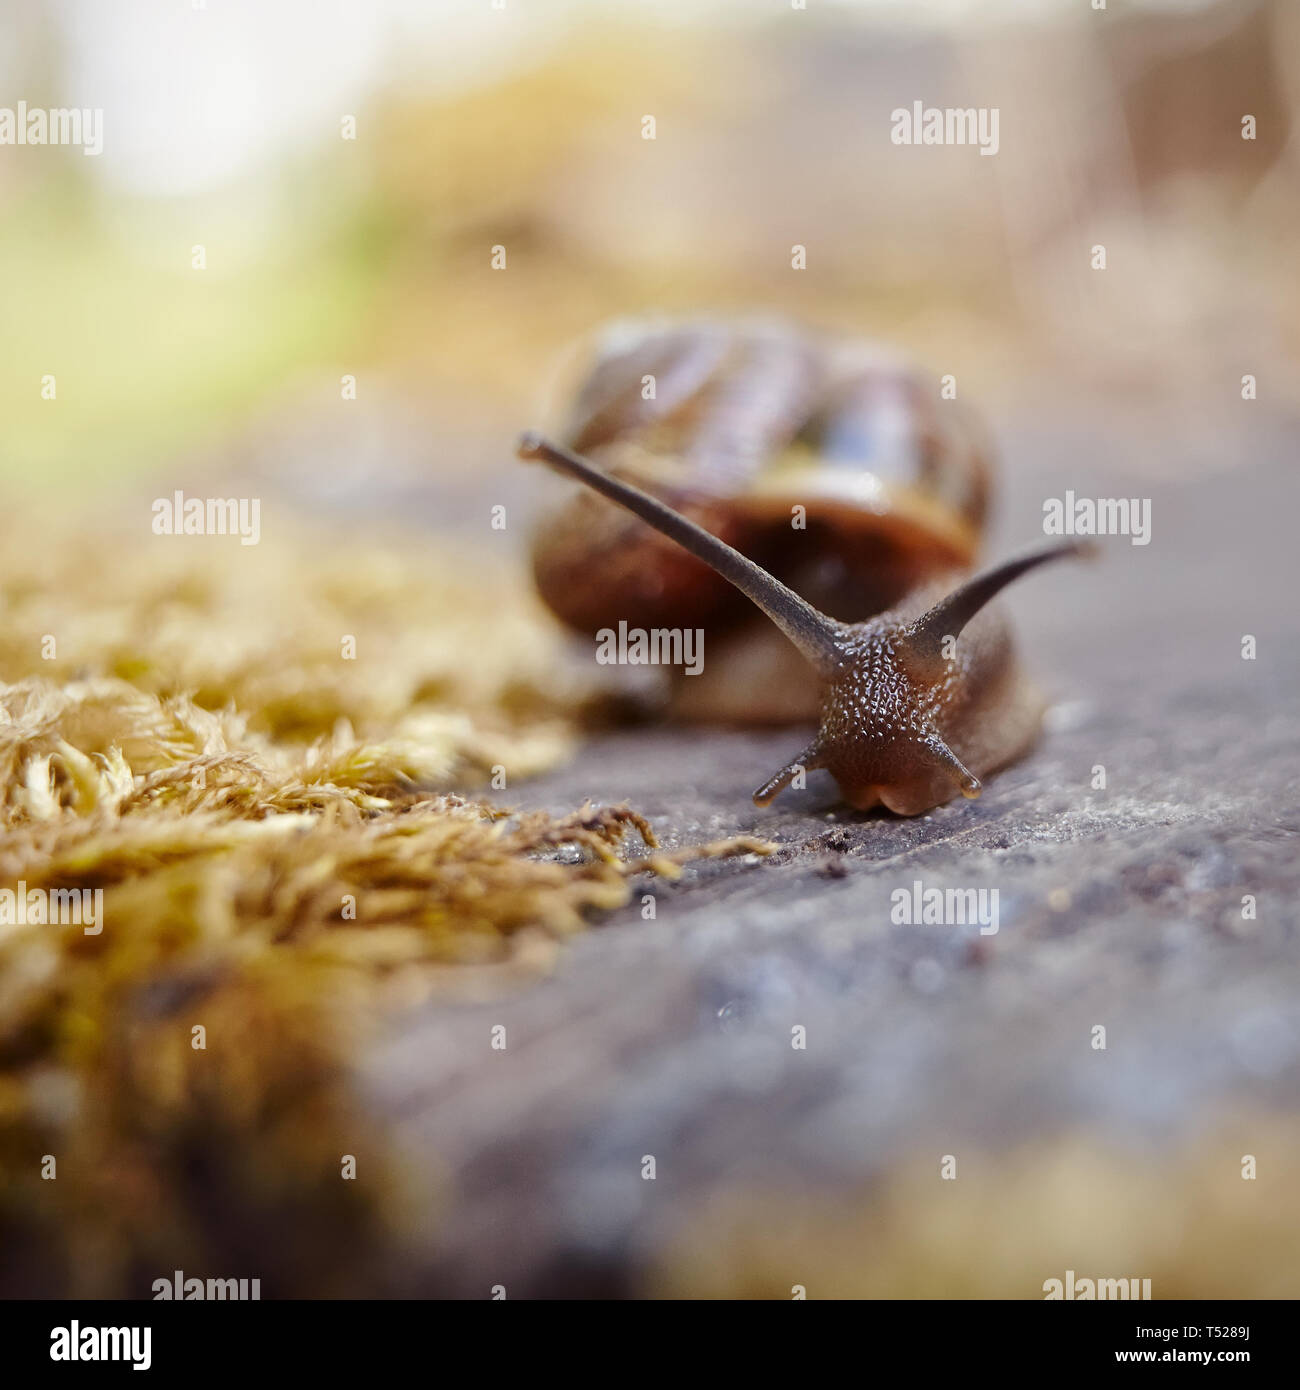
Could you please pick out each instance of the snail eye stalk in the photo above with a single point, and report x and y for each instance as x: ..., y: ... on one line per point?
x: 924, y: 637
x: 815, y: 635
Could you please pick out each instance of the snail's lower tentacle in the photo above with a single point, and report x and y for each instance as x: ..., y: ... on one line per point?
x: 805, y: 762
x: 963, y: 778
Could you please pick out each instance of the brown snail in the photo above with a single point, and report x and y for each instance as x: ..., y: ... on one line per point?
x: 744, y: 427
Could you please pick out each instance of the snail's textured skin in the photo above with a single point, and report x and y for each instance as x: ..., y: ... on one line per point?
x: 748, y: 421
x: 879, y: 714
x: 917, y: 698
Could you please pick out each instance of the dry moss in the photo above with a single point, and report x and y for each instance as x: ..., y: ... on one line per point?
x: 287, y: 858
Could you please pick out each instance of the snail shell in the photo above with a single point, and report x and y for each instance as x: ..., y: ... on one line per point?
x: 829, y: 462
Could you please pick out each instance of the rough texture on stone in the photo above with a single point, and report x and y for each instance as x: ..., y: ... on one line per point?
x: 1120, y: 906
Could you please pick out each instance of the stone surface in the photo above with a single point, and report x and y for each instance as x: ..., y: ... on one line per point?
x: 1119, y: 906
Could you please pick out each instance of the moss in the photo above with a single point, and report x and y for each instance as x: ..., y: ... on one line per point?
x: 288, y: 861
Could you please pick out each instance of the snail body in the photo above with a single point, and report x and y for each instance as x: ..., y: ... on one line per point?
x: 829, y: 463
x: 909, y: 716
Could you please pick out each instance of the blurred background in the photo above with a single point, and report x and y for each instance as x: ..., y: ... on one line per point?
x: 229, y: 125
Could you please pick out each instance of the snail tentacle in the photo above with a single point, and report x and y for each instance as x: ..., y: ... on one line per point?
x: 963, y: 778
x: 947, y: 618
x: 742, y: 420
x: 815, y: 635
x: 805, y: 762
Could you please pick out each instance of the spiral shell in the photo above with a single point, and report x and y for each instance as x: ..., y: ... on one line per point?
x: 830, y: 462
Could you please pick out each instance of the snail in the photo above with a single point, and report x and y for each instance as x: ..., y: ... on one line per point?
x: 752, y: 427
